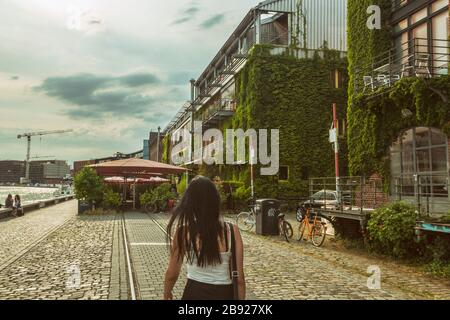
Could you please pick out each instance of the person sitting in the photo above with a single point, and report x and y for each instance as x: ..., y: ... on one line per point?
x: 18, y: 206
x: 9, y: 204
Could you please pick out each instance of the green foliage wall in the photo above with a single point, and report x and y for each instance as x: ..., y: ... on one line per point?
x: 376, y: 121
x: 365, y: 44
x: 295, y: 96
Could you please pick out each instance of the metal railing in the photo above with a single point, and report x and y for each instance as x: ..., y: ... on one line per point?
x: 351, y: 194
x: 416, y: 58
x: 428, y: 192
x: 217, y: 106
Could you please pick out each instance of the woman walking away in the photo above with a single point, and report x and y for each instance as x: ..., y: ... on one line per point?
x: 207, y: 244
x: 18, y: 205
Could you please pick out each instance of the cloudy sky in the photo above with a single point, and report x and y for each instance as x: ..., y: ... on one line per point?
x: 111, y: 70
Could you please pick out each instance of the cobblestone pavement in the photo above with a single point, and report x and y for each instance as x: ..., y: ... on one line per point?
x: 149, y: 255
x: 73, y: 262
x: 276, y: 269
x: 84, y: 258
x: 17, y: 234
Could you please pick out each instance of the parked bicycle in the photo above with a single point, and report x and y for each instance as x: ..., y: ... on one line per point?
x: 284, y: 227
x: 311, y: 228
x: 156, y: 206
x: 246, y: 220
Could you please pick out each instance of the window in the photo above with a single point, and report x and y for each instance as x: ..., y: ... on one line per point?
x: 420, y: 151
x: 439, y: 4
x: 283, y: 175
x: 440, y: 47
x: 422, y: 14
x: 402, y: 25
x: 336, y: 79
x: 420, y: 34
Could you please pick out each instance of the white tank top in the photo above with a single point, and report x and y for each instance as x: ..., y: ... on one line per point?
x: 218, y: 274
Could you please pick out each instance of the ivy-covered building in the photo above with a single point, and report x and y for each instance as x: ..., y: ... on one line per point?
x: 282, y: 68
x: 399, y: 98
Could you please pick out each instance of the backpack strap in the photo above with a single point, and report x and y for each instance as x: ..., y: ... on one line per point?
x: 234, y: 272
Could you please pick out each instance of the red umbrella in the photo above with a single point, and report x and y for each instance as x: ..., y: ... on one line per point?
x: 135, y: 167
x: 121, y: 180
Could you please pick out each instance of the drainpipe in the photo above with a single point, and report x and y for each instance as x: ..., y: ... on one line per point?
x: 157, y: 145
x: 257, y: 27
x: 192, y: 109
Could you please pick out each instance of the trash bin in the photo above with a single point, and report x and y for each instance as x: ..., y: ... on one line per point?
x: 267, y: 217
x: 83, y: 206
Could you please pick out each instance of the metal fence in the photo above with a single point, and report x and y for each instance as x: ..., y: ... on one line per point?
x: 428, y: 192
x: 350, y: 194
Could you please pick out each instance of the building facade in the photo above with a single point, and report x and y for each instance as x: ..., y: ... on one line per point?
x: 399, y: 110
x: 11, y: 171
x: 41, y: 172
x: 283, y: 65
x: 155, y: 146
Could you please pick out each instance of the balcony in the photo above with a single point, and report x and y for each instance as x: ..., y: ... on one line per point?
x: 416, y: 58
x: 219, y: 111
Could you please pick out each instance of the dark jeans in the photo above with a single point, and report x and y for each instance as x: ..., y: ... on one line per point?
x: 195, y: 290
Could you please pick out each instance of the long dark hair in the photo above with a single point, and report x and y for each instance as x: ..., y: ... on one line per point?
x: 17, y: 198
x: 197, y: 217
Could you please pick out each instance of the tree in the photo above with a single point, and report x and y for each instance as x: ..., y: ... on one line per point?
x: 89, y: 186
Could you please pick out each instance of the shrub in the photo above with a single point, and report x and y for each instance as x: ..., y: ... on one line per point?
x: 89, y: 186
x: 111, y: 200
x: 241, y: 196
x: 161, y: 194
x: 391, y: 230
x: 182, y: 185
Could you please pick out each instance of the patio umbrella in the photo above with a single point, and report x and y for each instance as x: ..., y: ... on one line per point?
x: 151, y: 180
x: 135, y: 168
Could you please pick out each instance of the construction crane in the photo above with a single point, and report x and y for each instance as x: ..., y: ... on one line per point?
x: 28, y: 136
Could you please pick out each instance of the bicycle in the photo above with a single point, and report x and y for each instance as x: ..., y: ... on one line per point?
x: 316, y: 229
x: 156, y: 206
x: 284, y: 227
x: 247, y: 220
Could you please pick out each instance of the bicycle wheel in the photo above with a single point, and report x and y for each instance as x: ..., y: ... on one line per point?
x: 301, y: 231
x: 287, y: 230
x: 318, y: 234
x: 151, y: 208
x: 245, y: 221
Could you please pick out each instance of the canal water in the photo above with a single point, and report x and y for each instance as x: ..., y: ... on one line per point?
x: 29, y: 194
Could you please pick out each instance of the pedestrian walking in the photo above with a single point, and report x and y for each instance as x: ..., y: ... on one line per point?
x: 212, y: 249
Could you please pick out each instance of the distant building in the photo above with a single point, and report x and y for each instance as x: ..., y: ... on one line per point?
x: 11, y: 171
x: 146, y: 150
x: 153, y: 146
x: 79, y: 165
x: 42, y: 172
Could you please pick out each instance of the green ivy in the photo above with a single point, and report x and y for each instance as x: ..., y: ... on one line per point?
x: 364, y: 44
x: 295, y: 96
x: 375, y: 121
